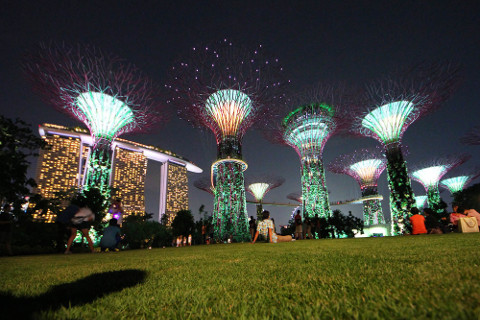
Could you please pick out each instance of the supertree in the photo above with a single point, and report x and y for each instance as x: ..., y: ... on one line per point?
x: 430, y: 174
x: 420, y: 201
x: 260, y: 185
x: 227, y: 89
x: 365, y: 166
x: 472, y: 137
x: 389, y: 107
x: 204, y: 184
x: 307, y: 129
x: 110, y: 96
x: 295, y: 197
x: 459, y: 182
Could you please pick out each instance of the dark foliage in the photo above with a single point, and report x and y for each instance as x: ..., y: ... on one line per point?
x: 141, y: 233
x: 17, y: 144
x: 183, y: 224
x: 469, y: 198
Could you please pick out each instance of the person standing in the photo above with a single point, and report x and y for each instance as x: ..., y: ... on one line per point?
x: 252, y: 226
x: 418, y: 222
x: 6, y: 228
x: 298, y: 226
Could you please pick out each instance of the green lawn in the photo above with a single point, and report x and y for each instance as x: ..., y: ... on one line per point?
x: 434, y: 276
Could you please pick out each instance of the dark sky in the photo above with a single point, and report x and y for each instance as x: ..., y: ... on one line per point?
x: 338, y: 41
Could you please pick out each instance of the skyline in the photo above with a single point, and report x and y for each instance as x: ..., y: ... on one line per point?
x: 341, y: 42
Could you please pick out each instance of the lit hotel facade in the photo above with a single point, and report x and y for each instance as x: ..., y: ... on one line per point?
x: 61, y: 167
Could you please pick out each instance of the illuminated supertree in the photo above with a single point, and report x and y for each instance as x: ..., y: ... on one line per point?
x: 458, y: 183
x: 204, y: 184
x: 365, y: 166
x: 227, y: 89
x: 472, y: 136
x: 307, y: 129
x: 389, y: 108
x: 295, y: 197
x: 420, y: 201
x: 259, y: 186
x: 110, y: 96
x: 429, y: 176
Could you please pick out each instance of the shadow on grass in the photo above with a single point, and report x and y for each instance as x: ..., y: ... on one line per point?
x: 71, y: 294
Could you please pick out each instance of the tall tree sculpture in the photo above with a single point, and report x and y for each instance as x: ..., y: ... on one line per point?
x: 307, y: 129
x: 227, y: 89
x: 260, y: 185
x: 389, y: 108
x: 430, y: 174
x: 365, y: 166
x: 108, y: 95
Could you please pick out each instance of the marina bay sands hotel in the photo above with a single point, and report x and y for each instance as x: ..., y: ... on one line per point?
x: 62, y: 165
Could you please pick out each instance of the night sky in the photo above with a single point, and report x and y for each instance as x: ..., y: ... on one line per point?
x: 340, y: 41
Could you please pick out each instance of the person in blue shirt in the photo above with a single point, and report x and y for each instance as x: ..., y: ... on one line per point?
x: 111, y: 236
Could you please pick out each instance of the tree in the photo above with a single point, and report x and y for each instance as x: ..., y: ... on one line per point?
x: 469, y: 198
x: 17, y: 144
x: 183, y: 223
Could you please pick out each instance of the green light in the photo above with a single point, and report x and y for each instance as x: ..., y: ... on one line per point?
x: 430, y: 176
x: 420, y: 201
x: 402, y: 198
x: 230, y: 219
x: 258, y: 190
x: 105, y: 114
x: 388, y: 121
x: 307, y: 130
x: 456, y: 184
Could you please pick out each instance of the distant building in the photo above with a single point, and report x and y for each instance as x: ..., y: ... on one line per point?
x: 61, y: 167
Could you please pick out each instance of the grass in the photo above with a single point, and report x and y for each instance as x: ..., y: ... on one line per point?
x: 434, y: 276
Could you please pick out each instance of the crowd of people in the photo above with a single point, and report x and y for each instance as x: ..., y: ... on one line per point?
x: 428, y: 223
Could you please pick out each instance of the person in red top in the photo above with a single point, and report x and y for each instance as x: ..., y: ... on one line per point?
x: 418, y: 222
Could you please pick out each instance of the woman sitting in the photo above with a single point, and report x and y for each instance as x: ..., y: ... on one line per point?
x: 265, y: 228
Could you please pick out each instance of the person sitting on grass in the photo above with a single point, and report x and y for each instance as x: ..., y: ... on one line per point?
x: 265, y: 228
x: 417, y: 221
x: 111, y: 236
x: 82, y: 220
x: 431, y: 222
x: 455, y: 215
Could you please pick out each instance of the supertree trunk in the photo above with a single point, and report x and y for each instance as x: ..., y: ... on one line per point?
x: 230, y: 211
x: 314, y: 191
x: 434, y: 199
x: 99, y: 166
x: 372, y: 209
x: 401, y: 194
x: 259, y: 211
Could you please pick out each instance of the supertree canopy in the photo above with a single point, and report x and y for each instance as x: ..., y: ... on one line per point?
x: 227, y: 89
x: 259, y: 186
x: 458, y: 183
x: 307, y: 130
x: 472, y: 136
x: 110, y: 96
x: 430, y: 174
x: 365, y: 166
x: 420, y: 201
x: 204, y: 184
x: 389, y: 108
x: 295, y: 197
